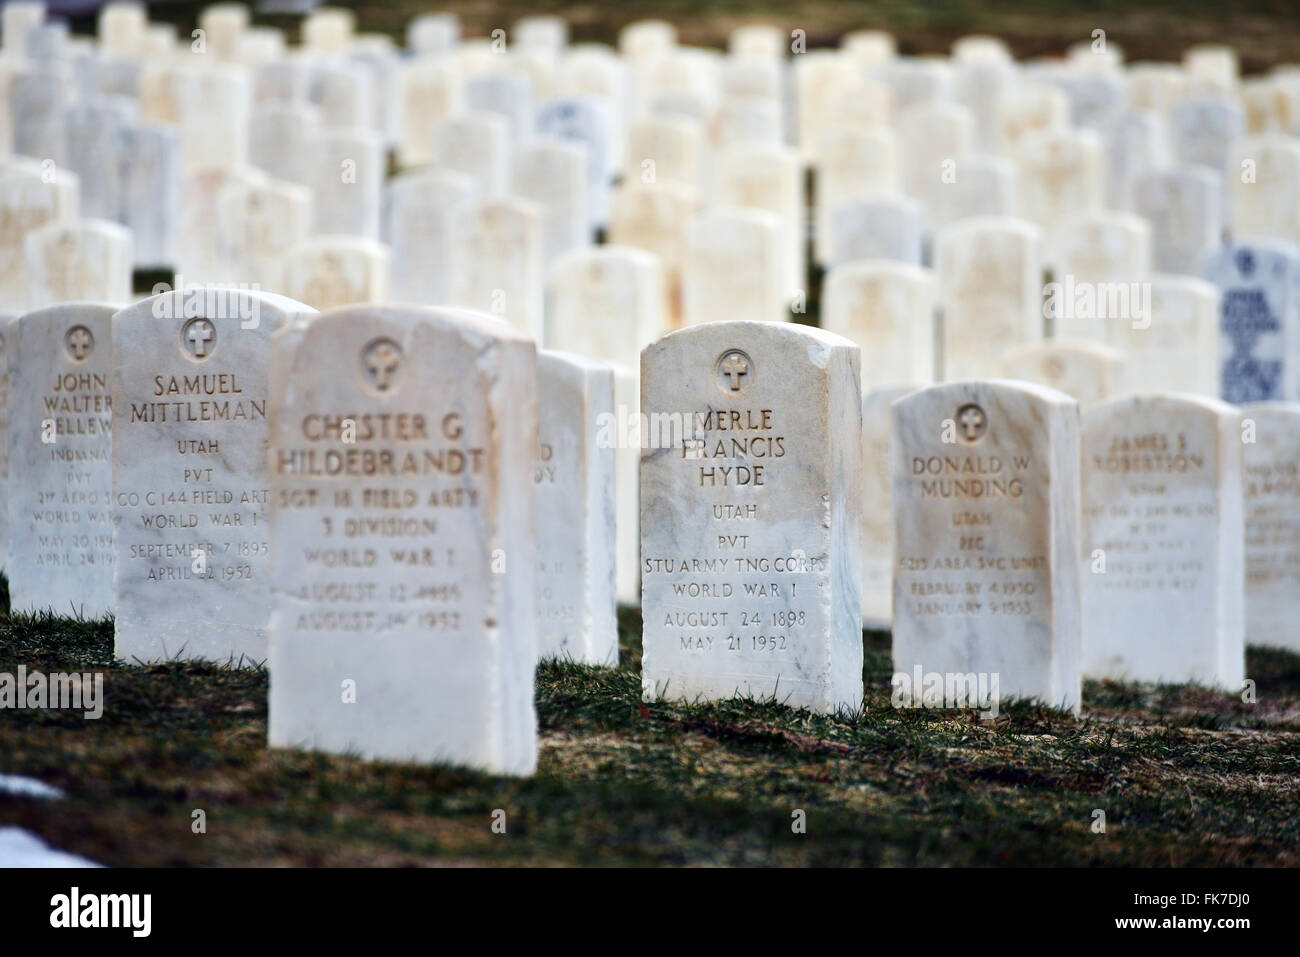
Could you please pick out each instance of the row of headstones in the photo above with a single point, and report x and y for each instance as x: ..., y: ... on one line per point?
x: 435, y: 509
x: 607, y: 302
x: 292, y: 147
x: 254, y: 218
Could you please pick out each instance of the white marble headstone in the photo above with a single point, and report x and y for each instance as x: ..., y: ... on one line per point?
x: 887, y: 308
x: 190, y: 482
x: 1086, y: 371
x: 1162, y: 541
x: 1271, y: 486
x: 575, y: 484
x: 419, y: 218
x: 734, y: 267
x: 750, y: 519
x: 605, y: 302
x: 877, y: 511
x: 61, y: 461
x: 404, y: 623
x: 986, y: 537
x: 496, y: 261
x: 79, y: 260
x: 990, y: 291
x: 325, y: 272
x: 1184, y: 205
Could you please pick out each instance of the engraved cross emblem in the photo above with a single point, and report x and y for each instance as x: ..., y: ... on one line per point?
x: 735, y: 368
x: 381, y: 360
x: 198, y: 336
x: 79, y: 342
x: 972, y: 420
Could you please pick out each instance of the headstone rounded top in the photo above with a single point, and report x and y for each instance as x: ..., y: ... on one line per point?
x: 975, y: 387
x: 62, y: 309
x: 192, y: 301
x: 470, y: 320
x: 747, y: 330
x: 978, y: 224
x: 1184, y: 401
x: 585, y: 256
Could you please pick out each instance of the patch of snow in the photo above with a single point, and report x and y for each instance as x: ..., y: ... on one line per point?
x: 19, y: 848
x: 28, y: 787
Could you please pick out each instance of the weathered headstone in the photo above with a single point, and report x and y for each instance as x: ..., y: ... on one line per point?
x: 7, y: 346
x: 584, y: 121
x: 1271, y: 487
x: 281, y: 138
x: 61, y: 461
x: 120, y: 26
x: 432, y: 33
x: 402, y: 521
x: 190, y: 483
x: 1175, y: 347
x: 20, y: 19
x: 85, y: 260
x: 877, y: 513
x: 478, y: 146
x: 1155, y: 86
x: 981, y: 185
x: 734, y: 267
x: 1134, y: 142
x: 343, y: 93
x: 151, y: 190
x: 213, y: 103
x: 1204, y: 130
x: 935, y: 137
x: 328, y: 29
x: 990, y: 291
x: 1162, y: 541
x: 1031, y: 108
x: 751, y: 482
x: 496, y: 261
x: 656, y: 217
x: 1086, y: 371
x: 347, y: 176
x: 38, y: 98
x: 553, y: 175
x: 1098, y: 260
x: 1259, y: 320
x: 94, y: 141
x: 429, y: 90
x: 419, y: 219
x: 326, y: 272
x: 1265, y: 178
x: 664, y: 149
x: 770, y: 177
x: 202, y: 246
x: 605, y: 302
x: 1184, y: 205
x: 575, y: 485
x: 28, y: 200
x: 1060, y: 176
x: 852, y: 164
x: 886, y: 308
x: 505, y: 93
x: 882, y: 227
x: 748, y: 120
x: 986, y: 538
x: 1102, y: 246
x: 982, y: 84
x: 917, y: 81
x: 257, y: 223
x: 818, y: 74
